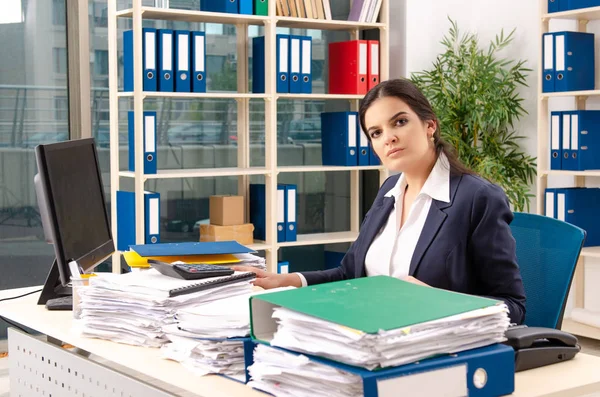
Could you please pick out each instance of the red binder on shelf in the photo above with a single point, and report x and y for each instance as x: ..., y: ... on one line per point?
x: 373, y: 64
x: 348, y: 64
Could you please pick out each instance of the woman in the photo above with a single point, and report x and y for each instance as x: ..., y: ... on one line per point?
x: 437, y: 223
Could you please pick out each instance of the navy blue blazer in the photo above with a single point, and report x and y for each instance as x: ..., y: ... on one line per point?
x: 465, y: 246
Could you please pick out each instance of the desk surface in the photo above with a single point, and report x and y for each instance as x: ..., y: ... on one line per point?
x: 577, y: 377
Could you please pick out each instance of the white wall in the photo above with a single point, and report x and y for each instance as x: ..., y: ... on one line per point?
x: 419, y: 26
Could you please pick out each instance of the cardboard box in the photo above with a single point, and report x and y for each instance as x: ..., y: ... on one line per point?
x: 243, y: 234
x: 226, y: 210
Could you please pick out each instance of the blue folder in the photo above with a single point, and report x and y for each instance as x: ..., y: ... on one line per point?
x: 258, y: 65
x: 576, y: 206
x: 165, y: 60
x: 483, y: 372
x: 198, y: 61
x: 582, y: 140
x: 291, y: 212
x: 191, y: 248
x: 548, y: 83
x: 148, y: 60
x: 182, y: 61
x: 228, y: 6
x: 574, y: 61
x: 258, y: 211
x: 149, y: 140
x: 246, y: 7
x: 306, y: 69
x: 126, y: 235
x: 373, y: 158
x: 339, y: 138
x: 295, y: 64
x: 556, y: 140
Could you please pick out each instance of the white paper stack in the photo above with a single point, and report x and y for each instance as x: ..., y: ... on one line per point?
x: 311, y: 335
x: 284, y: 374
x: 251, y: 260
x: 132, y: 308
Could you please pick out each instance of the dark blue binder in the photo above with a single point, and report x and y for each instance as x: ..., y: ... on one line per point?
x: 291, y: 212
x: 338, y: 138
x: 246, y: 7
x: 574, y: 61
x: 258, y: 65
x: 577, y: 206
x: 165, y: 60
x: 373, y: 158
x: 148, y: 60
x: 228, y: 6
x: 126, y: 235
x: 306, y: 69
x: 364, y: 147
x: 282, y: 67
x: 553, y: 6
x: 295, y: 64
x: 198, y: 61
x: 548, y: 62
x: 568, y: 5
x: 258, y: 211
x: 182, y: 61
x: 556, y: 140
x: 584, y: 140
x: 483, y: 372
x: 149, y: 139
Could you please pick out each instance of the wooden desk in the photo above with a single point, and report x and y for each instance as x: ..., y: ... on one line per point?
x: 577, y: 377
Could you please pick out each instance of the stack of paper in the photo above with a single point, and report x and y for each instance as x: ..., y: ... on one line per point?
x: 377, y: 322
x: 133, y: 307
x: 251, y: 260
x: 285, y: 374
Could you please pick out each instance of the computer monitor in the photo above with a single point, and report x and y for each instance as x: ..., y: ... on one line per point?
x: 73, y: 210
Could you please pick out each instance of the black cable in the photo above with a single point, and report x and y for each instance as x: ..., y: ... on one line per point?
x: 20, y: 296
x: 14, y: 325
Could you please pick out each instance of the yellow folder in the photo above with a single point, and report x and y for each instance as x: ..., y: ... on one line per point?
x: 133, y: 259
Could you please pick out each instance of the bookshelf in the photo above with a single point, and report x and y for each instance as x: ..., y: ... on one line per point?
x: 271, y: 170
x: 582, y: 17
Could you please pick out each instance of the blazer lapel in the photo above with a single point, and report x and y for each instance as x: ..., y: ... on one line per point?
x: 378, y: 218
x: 433, y: 223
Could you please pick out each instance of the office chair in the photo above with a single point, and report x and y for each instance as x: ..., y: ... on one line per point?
x: 547, y: 254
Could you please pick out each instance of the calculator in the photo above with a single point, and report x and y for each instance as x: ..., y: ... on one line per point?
x: 190, y: 271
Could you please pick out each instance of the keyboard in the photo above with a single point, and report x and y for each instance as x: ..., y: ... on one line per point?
x: 62, y: 303
x: 190, y: 271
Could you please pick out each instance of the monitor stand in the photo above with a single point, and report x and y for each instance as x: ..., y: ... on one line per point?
x: 54, y: 295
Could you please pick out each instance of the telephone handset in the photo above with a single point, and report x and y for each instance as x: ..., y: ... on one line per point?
x: 536, y: 346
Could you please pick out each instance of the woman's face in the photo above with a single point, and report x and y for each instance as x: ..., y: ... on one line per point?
x: 399, y: 138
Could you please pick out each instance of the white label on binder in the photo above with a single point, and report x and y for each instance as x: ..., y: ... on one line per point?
x: 550, y: 204
x: 548, y: 51
x: 560, y: 207
x: 362, y: 58
x: 306, y: 56
x: 374, y: 58
x: 291, y: 204
x: 150, y: 50
x: 183, y: 51
x: 566, y: 131
x: 280, y: 205
x: 154, y: 222
x: 351, y: 131
x: 283, y: 55
x: 199, y: 54
x: 555, y: 133
x: 295, y: 67
x: 447, y: 382
x: 560, y: 52
x: 364, y: 142
x: 167, y: 47
x: 284, y: 269
x: 574, y: 132
x: 149, y: 134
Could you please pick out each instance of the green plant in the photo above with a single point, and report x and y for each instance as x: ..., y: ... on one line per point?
x: 475, y: 95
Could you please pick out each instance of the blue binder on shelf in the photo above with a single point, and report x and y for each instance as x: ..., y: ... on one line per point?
x: 150, y: 162
x: 246, y: 7
x: 568, y: 5
x: 258, y: 65
x: 228, y: 6
x: 282, y: 55
x: 459, y: 371
x: 555, y: 140
x: 258, y: 211
x: 548, y: 62
x: 283, y: 267
x: 373, y: 159
x: 148, y: 60
x: 198, y: 62
x: 295, y: 64
x: 182, y: 61
x: 165, y: 60
x: 574, y: 61
x: 306, y: 70
x: 126, y: 235
x: 581, y: 140
x: 338, y: 138
x: 576, y: 206
x: 364, y: 149
x: 191, y: 248
x: 291, y: 212
x: 558, y: 5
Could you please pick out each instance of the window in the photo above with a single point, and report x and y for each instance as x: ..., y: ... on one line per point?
x: 61, y: 108
x: 11, y: 12
x: 59, y: 60
x: 100, y: 14
x: 59, y: 12
x: 101, y: 62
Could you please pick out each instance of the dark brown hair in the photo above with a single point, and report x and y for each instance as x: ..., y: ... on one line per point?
x: 406, y: 91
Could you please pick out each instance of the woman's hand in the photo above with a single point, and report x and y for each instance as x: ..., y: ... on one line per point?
x: 413, y: 280
x: 269, y: 280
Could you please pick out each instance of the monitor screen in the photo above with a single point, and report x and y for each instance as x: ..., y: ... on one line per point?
x: 72, y: 204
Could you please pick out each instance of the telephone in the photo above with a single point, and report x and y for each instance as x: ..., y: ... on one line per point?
x: 536, y: 346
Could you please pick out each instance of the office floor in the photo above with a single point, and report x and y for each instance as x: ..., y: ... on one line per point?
x: 588, y: 346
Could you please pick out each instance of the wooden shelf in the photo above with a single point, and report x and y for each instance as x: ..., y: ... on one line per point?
x: 570, y: 173
x: 195, y: 16
x: 326, y: 168
x: 198, y: 173
x: 586, y: 14
x: 579, y: 329
x: 320, y: 96
x: 189, y: 95
x: 259, y: 246
x: 590, y: 252
x: 320, y: 238
x: 570, y: 93
x: 320, y: 24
